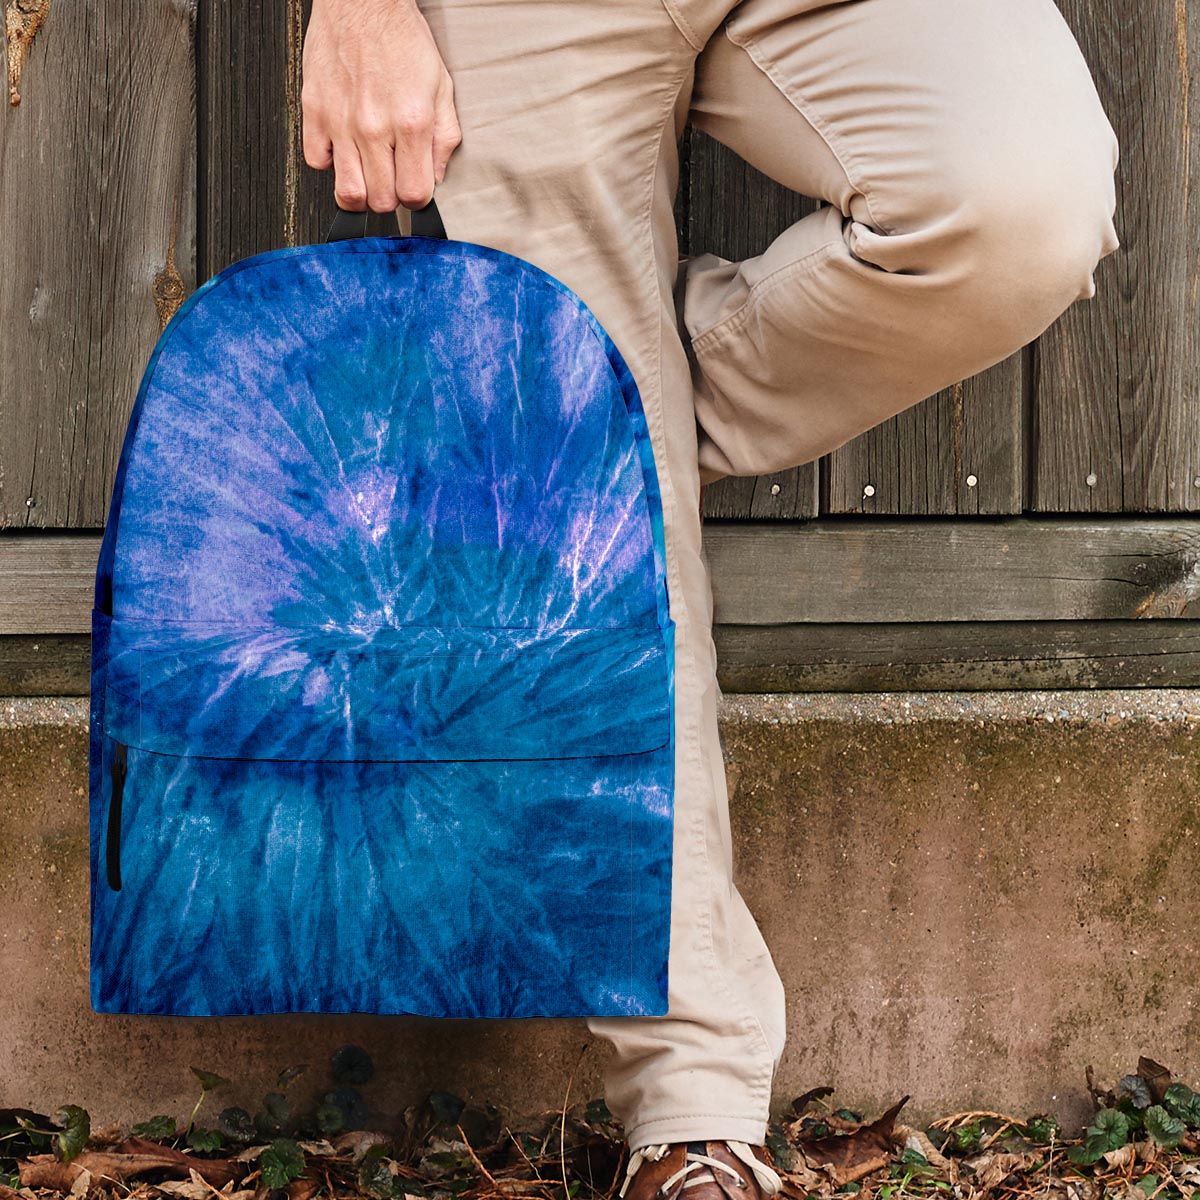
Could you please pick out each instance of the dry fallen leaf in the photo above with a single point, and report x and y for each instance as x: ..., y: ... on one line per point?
x: 45, y: 1171
x: 190, y: 1189
x: 358, y: 1142
x: 918, y: 1140
x: 321, y: 1148
x: 848, y: 1157
x: 1123, y: 1156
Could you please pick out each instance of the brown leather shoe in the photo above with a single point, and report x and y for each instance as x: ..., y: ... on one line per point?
x: 710, y: 1170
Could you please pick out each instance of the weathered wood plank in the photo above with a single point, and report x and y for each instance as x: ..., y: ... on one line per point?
x: 47, y: 581
x: 958, y: 452
x: 242, y: 131
x: 1118, y: 381
x: 1007, y: 569
x: 97, y: 203
x: 54, y: 664
x: 950, y: 656
x: 257, y: 192
x: 957, y: 656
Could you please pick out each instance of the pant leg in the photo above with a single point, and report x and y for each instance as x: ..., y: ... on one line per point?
x: 968, y: 167
x: 570, y: 111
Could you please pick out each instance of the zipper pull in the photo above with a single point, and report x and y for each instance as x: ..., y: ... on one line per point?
x: 113, y: 849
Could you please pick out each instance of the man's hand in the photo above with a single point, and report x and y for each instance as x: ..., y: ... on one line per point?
x: 378, y: 103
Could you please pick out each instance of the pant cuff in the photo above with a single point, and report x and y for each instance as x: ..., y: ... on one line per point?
x: 698, y: 1127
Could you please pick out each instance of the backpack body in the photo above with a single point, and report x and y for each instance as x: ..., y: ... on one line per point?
x: 382, y: 691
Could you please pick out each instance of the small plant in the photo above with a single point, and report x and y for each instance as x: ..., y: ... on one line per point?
x: 209, y: 1082
x: 281, y: 1162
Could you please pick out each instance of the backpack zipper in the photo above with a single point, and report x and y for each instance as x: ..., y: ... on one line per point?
x: 114, y: 817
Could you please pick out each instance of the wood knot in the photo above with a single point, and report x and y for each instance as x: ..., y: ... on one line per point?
x: 22, y: 20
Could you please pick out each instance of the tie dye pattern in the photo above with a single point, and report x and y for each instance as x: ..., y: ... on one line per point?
x: 381, y: 629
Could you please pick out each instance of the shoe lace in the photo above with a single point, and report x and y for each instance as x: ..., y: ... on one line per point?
x: 768, y: 1179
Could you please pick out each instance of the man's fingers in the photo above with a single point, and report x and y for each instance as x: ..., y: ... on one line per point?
x: 318, y: 149
x: 414, y: 183
x: 414, y: 159
x: 349, y: 186
x: 377, y: 155
x: 447, y: 135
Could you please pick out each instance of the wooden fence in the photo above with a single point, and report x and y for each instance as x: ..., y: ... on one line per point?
x: 1014, y: 530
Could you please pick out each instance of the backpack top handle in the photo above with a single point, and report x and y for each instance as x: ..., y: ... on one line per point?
x: 426, y: 222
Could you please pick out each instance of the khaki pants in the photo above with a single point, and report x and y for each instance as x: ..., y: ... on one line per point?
x: 969, y: 172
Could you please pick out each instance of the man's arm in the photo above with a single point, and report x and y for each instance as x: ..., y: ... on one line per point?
x: 378, y: 103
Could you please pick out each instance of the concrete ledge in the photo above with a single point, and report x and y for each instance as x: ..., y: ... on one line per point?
x: 970, y: 896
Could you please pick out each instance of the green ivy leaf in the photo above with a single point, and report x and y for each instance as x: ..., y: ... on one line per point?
x: 209, y: 1080
x: 353, y: 1106
x: 236, y: 1125
x: 1109, y: 1130
x: 1112, y: 1126
x: 76, y: 1126
x: 967, y: 1137
x: 1043, y: 1129
x: 281, y: 1162
x: 374, y: 1171
x: 266, y: 1126
x: 205, y: 1140
x: 1180, y: 1101
x: 157, y: 1129
x: 330, y: 1118
x: 289, y: 1073
x: 1085, y: 1153
x: 1136, y: 1088
x: 446, y: 1107
x: 1165, y: 1129
x: 781, y: 1149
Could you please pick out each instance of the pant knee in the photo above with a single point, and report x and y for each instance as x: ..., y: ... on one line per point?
x: 1040, y: 239
x: 1012, y: 243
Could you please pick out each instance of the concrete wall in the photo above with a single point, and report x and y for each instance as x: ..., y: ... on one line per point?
x: 970, y: 897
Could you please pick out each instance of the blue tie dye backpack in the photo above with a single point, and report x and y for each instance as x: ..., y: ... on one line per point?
x: 382, y: 692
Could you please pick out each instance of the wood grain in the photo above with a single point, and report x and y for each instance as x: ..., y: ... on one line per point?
x: 838, y: 572
x: 1005, y: 568
x: 957, y: 656
x: 815, y: 657
x: 1117, y: 397
x: 257, y: 193
x: 47, y: 583
x: 97, y: 230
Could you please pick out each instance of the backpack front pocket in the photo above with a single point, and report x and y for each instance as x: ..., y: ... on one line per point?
x: 480, y: 828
